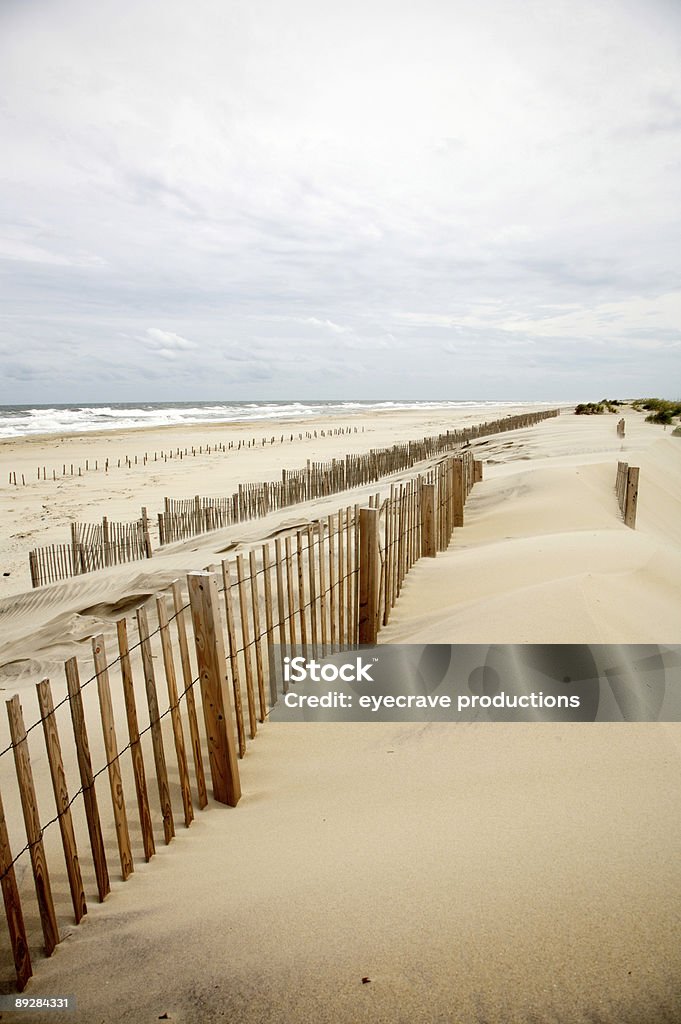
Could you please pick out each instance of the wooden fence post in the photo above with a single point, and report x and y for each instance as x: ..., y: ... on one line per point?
x: 428, y: 530
x: 15, y: 918
x: 477, y: 471
x: 87, y: 779
x: 106, y: 543
x: 34, y: 833
x: 217, y: 709
x: 112, y: 757
x: 135, y: 746
x: 61, y: 798
x: 368, y: 575
x: 631, y: 497
x: 189, y: 693
x: 457, y: 493
x: 145, y: 533
x: 155, y: 724
x: 75, y: 550
x: 33, y: 566
x: 173, y: 700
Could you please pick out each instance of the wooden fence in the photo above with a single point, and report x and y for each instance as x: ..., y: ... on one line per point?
x: 96, y: 546
x: 626, y: 487
x: 333, y: 582
x: 93, y: 546
x: 71, y: 469
x: 184, y: 518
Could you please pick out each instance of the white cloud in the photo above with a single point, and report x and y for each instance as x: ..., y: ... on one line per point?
x: 328, y: 324
x: 167, y: 340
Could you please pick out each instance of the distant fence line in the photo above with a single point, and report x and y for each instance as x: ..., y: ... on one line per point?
x: 333, y: 582
x: 95, y: 546
x: 188, y: 517
x: 177, y: 453
x: 626, y: 488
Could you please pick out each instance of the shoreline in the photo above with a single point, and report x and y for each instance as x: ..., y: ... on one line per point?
x: 299, y: 421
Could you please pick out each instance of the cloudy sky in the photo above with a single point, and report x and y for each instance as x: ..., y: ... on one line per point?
x: 250, y: 199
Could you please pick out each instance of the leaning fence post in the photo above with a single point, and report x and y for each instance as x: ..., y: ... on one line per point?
x: 368, y: 575
x: 217, y: 708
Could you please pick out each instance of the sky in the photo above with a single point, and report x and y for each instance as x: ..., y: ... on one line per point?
x: 249, y: 199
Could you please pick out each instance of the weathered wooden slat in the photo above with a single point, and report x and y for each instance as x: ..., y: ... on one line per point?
x: 257, y: 636
x: 178, y: 734
x: 210, y: 653
x: 61, y: 798
x: 146, y: 824
x: 155, y: 724
x: 281, y: 601
x: 13, y: 912
x: 29, y: 805
x: 289, y: 591
x: 269, y: 622
x: 302, y: 617
x: 87, y: 780
x: 246, y: 644
x: 234, y: 658
x: 113, y: 764
x: 189, y: 694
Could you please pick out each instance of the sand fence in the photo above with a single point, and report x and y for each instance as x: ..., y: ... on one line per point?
x: 626, y: 487
x: 93, y: 546
x: 332, y: 583
x: 182, y: 519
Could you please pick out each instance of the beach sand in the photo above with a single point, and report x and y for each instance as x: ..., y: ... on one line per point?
x: 393, y: 873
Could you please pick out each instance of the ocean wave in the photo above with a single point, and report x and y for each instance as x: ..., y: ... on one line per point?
x: 21, y: 421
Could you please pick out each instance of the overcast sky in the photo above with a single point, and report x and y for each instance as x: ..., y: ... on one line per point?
x: 256, y: 199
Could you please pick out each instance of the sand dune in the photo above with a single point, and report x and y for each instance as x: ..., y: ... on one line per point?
x: 519, y: 874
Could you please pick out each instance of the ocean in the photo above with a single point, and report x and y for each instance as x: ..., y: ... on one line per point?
x: 23, y: 420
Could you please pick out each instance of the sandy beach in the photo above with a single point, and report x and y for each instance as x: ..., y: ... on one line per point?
x: 390, y: 872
